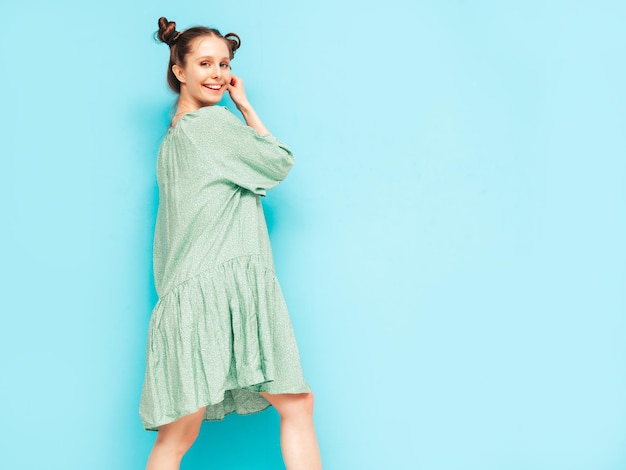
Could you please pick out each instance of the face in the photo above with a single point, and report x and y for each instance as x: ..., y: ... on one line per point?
x: 206, y: 74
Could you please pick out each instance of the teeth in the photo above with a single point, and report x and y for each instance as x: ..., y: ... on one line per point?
x: 214, y: 87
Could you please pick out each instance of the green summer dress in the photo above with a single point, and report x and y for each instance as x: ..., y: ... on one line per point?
x: 220, y: 332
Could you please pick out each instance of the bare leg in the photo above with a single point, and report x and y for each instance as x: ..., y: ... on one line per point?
x: 173, y: 440
x: 297, y: 434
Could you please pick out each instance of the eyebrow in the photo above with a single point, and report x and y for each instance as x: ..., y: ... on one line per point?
x: 211, y: 57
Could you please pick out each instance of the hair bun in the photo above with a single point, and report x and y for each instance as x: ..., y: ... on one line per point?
x: 167, y: 31
x: 234, y: 40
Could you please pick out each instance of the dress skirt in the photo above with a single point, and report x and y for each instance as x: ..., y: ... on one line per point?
x: 216, y: 341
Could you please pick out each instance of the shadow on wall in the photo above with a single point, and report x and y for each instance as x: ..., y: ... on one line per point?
x: 150, y: 121
x: 238, y: 443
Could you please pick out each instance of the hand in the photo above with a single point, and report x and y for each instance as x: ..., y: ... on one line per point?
x: 238, y: 95
x: 237, y: 92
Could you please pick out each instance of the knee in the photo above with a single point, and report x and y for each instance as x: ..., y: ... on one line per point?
x: 188, y: 439
x: 177, y: 443
x: 307, y: 403
x: 300, y: 406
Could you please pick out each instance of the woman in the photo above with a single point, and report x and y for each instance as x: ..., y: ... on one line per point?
x: 220, y: 339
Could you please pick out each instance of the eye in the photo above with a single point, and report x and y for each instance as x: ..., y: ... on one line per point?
x: 204, y: 63
x: 225, y: 66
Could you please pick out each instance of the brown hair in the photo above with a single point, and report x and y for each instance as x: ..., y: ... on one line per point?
x: 180, y: 45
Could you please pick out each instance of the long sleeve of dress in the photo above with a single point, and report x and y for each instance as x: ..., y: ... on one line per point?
x: 241, y: 155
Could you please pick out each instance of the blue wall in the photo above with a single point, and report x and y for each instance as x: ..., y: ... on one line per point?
x: 450, y: 242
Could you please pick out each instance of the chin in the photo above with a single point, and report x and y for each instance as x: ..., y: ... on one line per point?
x: 213, y: 101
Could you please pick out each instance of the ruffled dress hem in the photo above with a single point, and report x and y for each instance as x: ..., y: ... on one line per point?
x: 211, y: 415
x: 217, y: 340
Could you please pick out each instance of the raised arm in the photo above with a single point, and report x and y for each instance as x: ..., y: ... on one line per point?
x: 237, y: 151
x: 238, y: 95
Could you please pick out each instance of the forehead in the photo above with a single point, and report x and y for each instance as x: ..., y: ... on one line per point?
x: 209, y: 46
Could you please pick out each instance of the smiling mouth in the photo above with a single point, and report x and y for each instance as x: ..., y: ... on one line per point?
x: 213, y: 87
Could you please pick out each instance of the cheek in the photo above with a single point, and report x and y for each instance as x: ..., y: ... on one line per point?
x: 193, y: 77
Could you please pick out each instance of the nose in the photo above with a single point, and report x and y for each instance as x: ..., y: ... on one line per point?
x: 217, y: 72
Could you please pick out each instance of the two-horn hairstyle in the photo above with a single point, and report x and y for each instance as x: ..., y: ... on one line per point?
x: 180, y: 45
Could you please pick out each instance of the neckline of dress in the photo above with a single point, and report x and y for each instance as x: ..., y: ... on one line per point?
x: 171, y: 128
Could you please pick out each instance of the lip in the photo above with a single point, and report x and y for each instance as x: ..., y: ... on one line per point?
x: 213, y: 87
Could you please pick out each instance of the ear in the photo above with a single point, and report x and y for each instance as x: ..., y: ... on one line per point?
x: 179, y: 72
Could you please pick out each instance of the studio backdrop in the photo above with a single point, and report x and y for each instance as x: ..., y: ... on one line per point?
x: 450, y: 242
